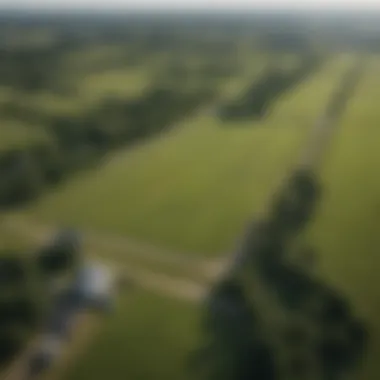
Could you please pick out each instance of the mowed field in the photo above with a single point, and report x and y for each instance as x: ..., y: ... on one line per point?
x: 195, y: 188
x: 15, y: 134
x: 346, y: 231
x: 148, y: 337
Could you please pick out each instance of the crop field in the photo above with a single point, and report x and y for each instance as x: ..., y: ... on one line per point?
x: 195, y: 188
x: 346, y: 229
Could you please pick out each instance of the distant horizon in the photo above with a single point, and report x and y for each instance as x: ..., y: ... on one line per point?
x: 198, y: 6
x: 151, y: 10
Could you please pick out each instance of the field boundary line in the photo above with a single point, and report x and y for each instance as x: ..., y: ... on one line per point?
x: 168, y: 284
x: 130, y: 247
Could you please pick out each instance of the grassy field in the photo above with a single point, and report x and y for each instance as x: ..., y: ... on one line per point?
x: 88, y: 90
x: 99, y: 56
x: 194, y: 188
x: 89, y: 75
x: 88, y: 86
x: 148, y: 337
x: 118, y: 82
x: 15, y: 135
x: 13, y: 241
x: 346, y: 231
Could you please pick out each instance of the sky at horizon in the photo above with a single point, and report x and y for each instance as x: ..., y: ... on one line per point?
x: 213, y: 5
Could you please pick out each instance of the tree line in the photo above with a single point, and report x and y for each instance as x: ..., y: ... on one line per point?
x: 319, y: 334
x: 79, y: 142
x: 32, y: 68
x: 271, y: 317
x: 261, y: 95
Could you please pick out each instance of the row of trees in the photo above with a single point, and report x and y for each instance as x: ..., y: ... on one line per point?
x: 319, y: 334
x: 46, y: 66
x: 78, y: 142
x: 267, y: 88
x: 29, y: 69
x: 270, y: 318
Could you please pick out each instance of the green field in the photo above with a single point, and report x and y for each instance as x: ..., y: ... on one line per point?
x: 148, y: 337
x: 12, y: 242
x: 117, y: 82
x: 346, y: 231
x: 194, y: 188
x: 90, y: 75
x: 15, y: 134
x: 88, y: 90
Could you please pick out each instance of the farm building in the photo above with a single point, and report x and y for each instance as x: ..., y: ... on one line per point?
x: 93, y: 286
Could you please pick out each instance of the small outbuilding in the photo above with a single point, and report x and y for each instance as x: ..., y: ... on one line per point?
x: 94, y: 285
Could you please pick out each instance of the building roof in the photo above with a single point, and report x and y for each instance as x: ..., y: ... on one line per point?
x: 93, y: 279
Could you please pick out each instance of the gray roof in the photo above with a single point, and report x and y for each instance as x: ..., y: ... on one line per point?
x: 93, y: 280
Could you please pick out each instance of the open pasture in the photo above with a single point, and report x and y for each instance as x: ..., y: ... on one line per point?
x: 15, y: 134
x: 194, y: 188
x: 147, y: 337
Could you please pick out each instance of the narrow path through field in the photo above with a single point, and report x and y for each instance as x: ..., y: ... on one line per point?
x: 163, y: 284
x: 103, y: 242
x: 168, y: 285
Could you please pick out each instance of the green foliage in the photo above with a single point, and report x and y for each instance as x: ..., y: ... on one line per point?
x: 28, y: 69
x: 267, y: 88
x: 58, y: 258
x: 79, y: 142
x: 24, y: 301
x: 230, y: 318
x: 21, y: 178
x: 233, y: 347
